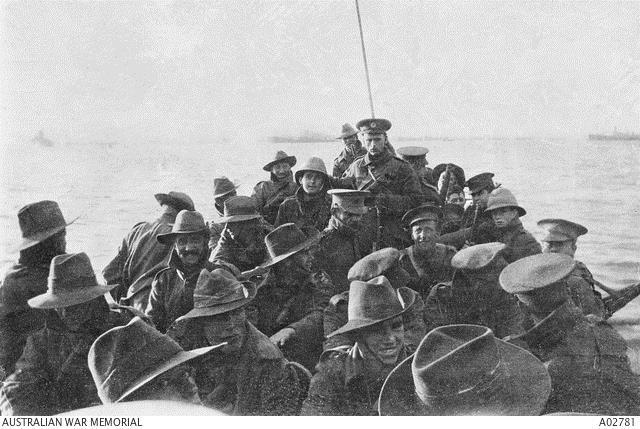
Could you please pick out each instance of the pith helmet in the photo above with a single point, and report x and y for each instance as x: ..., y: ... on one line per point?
x: 347, y: 131
x: 502, y: 197
x: 561, y: 230
x: 39, y: 221
x: 312, y: 164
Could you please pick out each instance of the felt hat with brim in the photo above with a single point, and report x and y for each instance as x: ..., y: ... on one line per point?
x: 502, y: 197
x: 383, y: 262
x: 349, y: 200
x: 222, y: 186
x: 461, y: 370
x: 479, y: 182
x: 535, y: 272
x: 456, y: 170
x: 71, y: 281
x: 125, y: 358
x: 374, y: 125
x: 347, y: 131
x: 281, y: 156
x: 39, y: 221
x: 219, y: 292
x: 407, y: 152
x: 561, y: 230
x: 422, y: 212
x: 187, y: 222
x: 312, y: 164
x: 477, y: 257
x: 177, y: 200
x: 285, y: 241
x: 239, y: 209
x: 370, y: 303
x: 145, y: 408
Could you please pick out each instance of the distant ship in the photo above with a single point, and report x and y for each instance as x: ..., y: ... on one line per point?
x: 616, y: 135
x: 42, y: 140
x: 306, y: 137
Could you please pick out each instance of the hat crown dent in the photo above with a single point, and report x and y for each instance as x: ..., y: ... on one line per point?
x: 347, y: 131
x: 283, y: 239
x: 216, y: 288
x: 39, y: 217
x: 240, y: 205
x: 373, y: 299
x: 222, y: 185
x: 188, y: 221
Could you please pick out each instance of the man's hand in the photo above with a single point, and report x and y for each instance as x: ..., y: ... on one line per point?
x: 282, y: 336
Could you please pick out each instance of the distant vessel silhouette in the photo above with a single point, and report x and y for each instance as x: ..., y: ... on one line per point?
x: 42, y: 140
x: 616, y: 135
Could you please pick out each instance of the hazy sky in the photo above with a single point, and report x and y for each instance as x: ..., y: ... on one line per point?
x: 192, y: 70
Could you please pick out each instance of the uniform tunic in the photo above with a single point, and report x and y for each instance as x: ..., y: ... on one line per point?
x: 269, y: 194
x: 344, y: 160
x: 309, y: 213
x: 428, y: 270
x: 231, y: 251
x: 580, y: 284
x: 519, y: 242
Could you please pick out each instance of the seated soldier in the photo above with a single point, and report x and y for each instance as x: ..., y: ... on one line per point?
x: 223, y: 189
x: 269, y: 194
x: 506, y: 214
x: 586, y: 358
x: 348, y: 383
x: 456, y: 178
x: 246, y: 374
x: 352, y: 149
x: 426, y: 261
x: 416, y: 157
x: 451, y: 218
x: 464, y: 370
x: 52, y: 376
x: 384, y: 262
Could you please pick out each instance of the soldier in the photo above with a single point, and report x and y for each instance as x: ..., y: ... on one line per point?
x: 352, y: 149
x: 561, y: 237
x: 383, y: 262
x: 43, y: 237
x: 505, y: 211
x: 451, y: 218
x: 416, y: 157
x: 585, y: 357
x: 456, y: 178
x: 345, y: 240
x: 348, y: 383
x: 456, y: 196
x: 392, y: 181
x: 426, y: 260
x: 52, y: 375
x: 464, y: 370
x: 269, y: 194
x: 140, y: 256
x: 172, y: 288
x: 310, y: 207
x: 292, y: 298
x: 223, y: 189
x: 242, y: 243
x: 246, y: 374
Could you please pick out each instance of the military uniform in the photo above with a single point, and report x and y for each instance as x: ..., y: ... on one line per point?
x: 520, y: 242
x: 269, y: 194
x: 307, y: 213
x: 344, y: 160
x: 582, y: 291
x: 430, y: 270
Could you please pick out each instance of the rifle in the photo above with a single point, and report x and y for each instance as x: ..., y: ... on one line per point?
x: 619, y: 299
x: 474, y: 226
x: 444, y: 192
x: 367, y: 187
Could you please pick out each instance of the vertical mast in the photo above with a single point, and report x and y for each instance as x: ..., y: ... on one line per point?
x: 364, y: 57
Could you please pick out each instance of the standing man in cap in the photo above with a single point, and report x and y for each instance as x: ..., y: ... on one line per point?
x: 172, y: 288
x: 586, y: 358
x: 416, y: 157
x: 427, y: 261
x: 140, y: 255
x: 505, y: 212
x: 269, y: 194
x: 246, y: 374
x: 223, y: 189
x: 345, y: 240
x: 52, y: 375
x: 310, y: 207
x: 348, y: 383
x: 392, y: 181
x: 43, y: 237
x: 352, y: 149
x: 293, y: 296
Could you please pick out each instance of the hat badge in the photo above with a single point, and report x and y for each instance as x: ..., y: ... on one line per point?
x: 373, y: 125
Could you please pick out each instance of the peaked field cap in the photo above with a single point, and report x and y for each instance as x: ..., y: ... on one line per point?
x: 239, y: 209
x: 223, y: 186
x: 479, y: 182
x: 280, y: 156
x: 462, y: 370
x: 177, y: 200
x: 374, y: 125
x: 39, y: 221
x: 476, y: 257
x: 347, y: 131
x: 502, y: 197
x: 71, y: 281
x: 187, y: 222
x: 219, y: 292
x: 125, y: 358
x: 349, y: 200
x: 412, y: 151
x: 456, y: 170
x: 535, y: 272
x: 372, y: 302
x: 561, y: 230
x: 312, y: 164
x: 422, y: 212
x: 285, y: 241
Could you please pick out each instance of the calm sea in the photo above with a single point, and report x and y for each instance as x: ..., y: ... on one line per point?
x: 111, y: 189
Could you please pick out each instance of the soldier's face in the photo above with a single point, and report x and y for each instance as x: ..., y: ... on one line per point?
x: 480, y: 198
x: 281, y: 170
x: 504, y: 216
x: 456, y: 198
x: 312, y: 182
x: 424, y: 234
x: 374, y: 143
x: 564, y: 247
x: 351, y: 142
x: 190, y: 248
x: 230, y: 327
x: 384, y: 341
